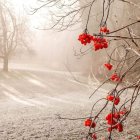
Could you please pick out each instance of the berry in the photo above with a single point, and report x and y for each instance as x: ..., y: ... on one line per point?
x: 88, y: 122
x: 110, y: 97
x: 115, y: 77
x: 116, y: 116
x: 93, y: 124
x: 97, y: 46
x: 94, y: 137
x: 109, y: 116
x: 108, y: 66
x: 120, y: 127
x: 117, y: 100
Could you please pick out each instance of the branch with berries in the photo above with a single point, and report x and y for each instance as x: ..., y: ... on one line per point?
x: 119, y: 110
x: 119, y: 105
x: 118, y: 69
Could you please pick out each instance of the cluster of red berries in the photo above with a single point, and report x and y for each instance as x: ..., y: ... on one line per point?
x: 100, y: 43
x: 85, y: 38
x: 112, y: 119
x: 92, y: 124
x: 104, y: 29
x: 108, y: 66
x: 115, y: 77
x: 113, y: 99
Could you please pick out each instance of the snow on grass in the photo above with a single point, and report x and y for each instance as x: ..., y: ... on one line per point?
x: 31, y: 100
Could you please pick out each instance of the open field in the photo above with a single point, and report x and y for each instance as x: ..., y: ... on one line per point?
x: 31, y: 100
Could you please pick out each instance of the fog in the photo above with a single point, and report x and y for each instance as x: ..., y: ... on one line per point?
x: 50, y: 49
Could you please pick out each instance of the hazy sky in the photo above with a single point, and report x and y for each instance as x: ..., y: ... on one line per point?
x: 23, y: 7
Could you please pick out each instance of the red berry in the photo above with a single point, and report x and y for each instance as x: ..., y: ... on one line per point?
x: 93, y: 124
x: 117, y: 100
x: 110, y: 97
x: 97, y: 46
x: 116, y: 116
x: 94, y: 136
x: 120, y: 127
x: 105, y: 45
x: 88, y: 122
x: 109, y: 116
x: 115, y: 77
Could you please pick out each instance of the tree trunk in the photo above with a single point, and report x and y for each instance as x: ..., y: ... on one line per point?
x: 5, y: 64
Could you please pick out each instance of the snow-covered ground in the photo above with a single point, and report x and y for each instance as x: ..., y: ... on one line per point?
x: 30, y: 102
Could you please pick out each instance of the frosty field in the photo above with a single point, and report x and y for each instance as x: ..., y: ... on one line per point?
x: 30, y: 102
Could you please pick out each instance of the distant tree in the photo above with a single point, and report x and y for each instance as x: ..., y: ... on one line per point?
x: 12, y: 33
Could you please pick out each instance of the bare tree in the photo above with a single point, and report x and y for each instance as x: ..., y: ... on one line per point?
x: 11, y: 34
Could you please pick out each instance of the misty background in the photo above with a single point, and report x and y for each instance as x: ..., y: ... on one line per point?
x: 47, y: 49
